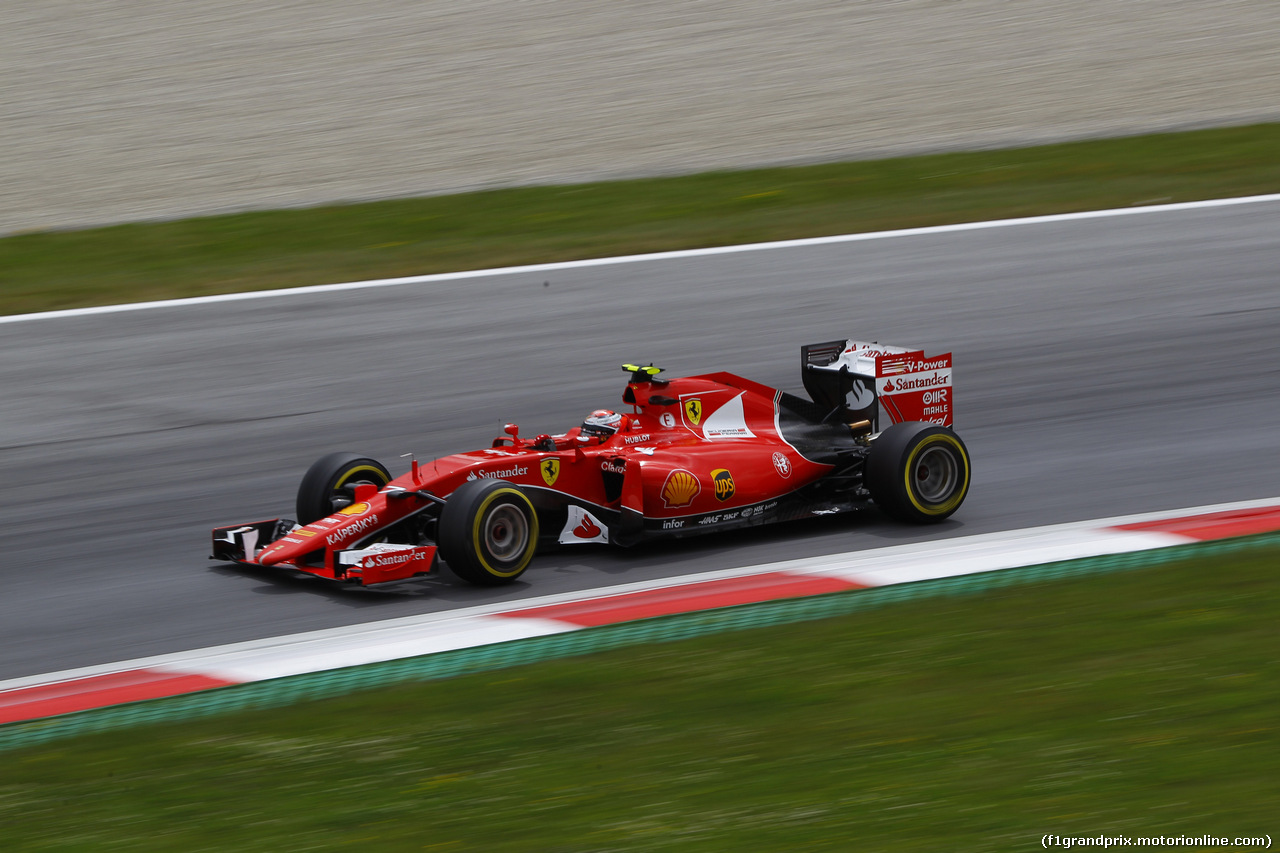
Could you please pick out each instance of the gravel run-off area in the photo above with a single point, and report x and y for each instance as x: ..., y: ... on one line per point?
x: 140, y: 109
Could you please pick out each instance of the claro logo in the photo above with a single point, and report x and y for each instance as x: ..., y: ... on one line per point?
x: 352, y: 529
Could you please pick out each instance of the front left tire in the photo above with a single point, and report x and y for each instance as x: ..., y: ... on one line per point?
x: 329, y: 484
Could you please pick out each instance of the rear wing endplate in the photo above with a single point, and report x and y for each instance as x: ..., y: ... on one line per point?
x: 867, y: 381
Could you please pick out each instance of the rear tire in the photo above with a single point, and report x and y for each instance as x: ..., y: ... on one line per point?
x: 918, y: 472
x: 329, y: 484
x: 488, y: 532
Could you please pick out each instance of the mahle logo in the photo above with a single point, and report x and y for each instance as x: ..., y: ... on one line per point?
x: 550, y: 471
x: 693, y: 410
x: 724, y: 484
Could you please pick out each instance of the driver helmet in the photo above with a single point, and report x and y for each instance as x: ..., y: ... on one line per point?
x: 601, y: 424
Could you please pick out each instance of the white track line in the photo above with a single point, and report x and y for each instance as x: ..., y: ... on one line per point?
x: 631, y: 259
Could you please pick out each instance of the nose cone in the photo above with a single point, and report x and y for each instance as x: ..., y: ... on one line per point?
x: 336, y: 531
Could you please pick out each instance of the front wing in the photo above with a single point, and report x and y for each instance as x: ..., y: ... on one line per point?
x: 371, y: 564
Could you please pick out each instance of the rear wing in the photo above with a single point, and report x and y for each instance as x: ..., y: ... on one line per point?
x: 859, y: 381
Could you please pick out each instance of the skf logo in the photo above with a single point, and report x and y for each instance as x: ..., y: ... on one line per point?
x: 550, y: 471
x: 724, y: 484
x: 680, y: 489
x: 693, y: 410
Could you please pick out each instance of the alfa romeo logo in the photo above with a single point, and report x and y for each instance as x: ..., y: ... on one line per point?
x: 782, y: 465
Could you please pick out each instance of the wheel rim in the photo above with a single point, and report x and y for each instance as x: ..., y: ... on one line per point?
x: 506, y: 533
x: 936, y: 475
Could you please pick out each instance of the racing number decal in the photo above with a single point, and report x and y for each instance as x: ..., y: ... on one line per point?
x: 550, y: 471
x: 693, y: 410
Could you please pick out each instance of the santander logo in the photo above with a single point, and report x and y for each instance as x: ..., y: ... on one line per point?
x: 587, y: 529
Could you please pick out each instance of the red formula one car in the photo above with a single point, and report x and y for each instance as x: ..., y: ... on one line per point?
x: 693, y: 455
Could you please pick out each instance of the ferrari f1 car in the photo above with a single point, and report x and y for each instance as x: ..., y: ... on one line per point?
x: 693, y: 455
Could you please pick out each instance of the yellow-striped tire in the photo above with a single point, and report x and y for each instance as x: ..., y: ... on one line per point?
x: 918, y: 472
x: 488, y: 532
x: 328, y: 484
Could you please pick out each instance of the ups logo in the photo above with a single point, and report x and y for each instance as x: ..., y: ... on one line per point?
x: 693, y: 410
x: 724, y: 484
x: 550, y: 471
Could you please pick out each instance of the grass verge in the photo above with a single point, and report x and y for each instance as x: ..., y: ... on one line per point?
x: 274, y: 249
x: 1139, y: 703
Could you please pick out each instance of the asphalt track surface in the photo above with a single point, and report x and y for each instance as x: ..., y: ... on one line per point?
x: 1103, y: 367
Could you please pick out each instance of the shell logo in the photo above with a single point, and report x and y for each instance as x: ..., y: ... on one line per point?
x: 354, y: 509
x: 680, y: 489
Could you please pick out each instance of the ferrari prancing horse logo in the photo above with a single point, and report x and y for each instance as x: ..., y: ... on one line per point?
x: 550, y: 470
x: 693, y: 410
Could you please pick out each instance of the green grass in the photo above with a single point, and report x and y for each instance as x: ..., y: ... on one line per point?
x: 1137, y: 703
x: 253, y: 251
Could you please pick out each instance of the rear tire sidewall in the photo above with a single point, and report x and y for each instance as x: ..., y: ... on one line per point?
x: 488, y: 532
x: 328, y: 475
x: 918, y: 472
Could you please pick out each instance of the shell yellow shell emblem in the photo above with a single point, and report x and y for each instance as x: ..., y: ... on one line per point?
x: 693, y: 410
x: 680, y: 489
x: 550, y: 471
x: 723, y: 481
x: 354, y: 509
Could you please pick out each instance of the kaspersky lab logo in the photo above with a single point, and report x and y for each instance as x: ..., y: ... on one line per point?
x: 550, y: 471
x: 693, y: 410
